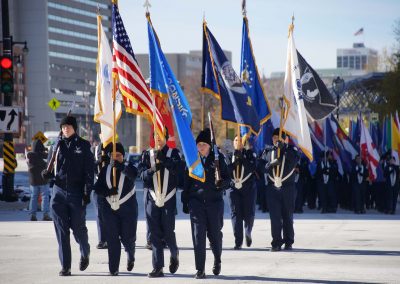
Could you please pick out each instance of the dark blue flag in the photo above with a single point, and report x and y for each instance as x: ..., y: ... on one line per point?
x: 221, y: 80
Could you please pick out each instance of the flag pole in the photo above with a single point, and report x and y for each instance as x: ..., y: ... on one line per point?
x: 240, y: 147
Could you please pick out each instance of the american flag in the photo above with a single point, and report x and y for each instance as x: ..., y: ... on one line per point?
x: 359, y: 32
x: 135, y: 92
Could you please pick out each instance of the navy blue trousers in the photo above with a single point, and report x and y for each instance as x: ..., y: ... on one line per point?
x: 121, y: 227
x: 69, y: 213
x: 161, y: 222
x: 243, y: 207
x: 98, y: 203
x: 281, y: 208
x: 207, y: 220
x: 327, y: 195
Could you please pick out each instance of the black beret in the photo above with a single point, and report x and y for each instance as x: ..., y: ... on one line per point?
x: 276, y: 132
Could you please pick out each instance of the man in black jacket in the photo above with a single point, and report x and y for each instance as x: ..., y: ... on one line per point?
x: 204, y: 201
x: 73, y: 182
x: 160, y: 168
x: 36, y: 164
x: 281, y: 190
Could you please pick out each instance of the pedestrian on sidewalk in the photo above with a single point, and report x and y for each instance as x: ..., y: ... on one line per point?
x: 36, y: 160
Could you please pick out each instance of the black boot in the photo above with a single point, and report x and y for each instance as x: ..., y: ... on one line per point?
x: 249, y: 241
x: 148, y: 245
x: 102, y: 245
x: 65, y: 272
x: 156, y: 273
x: 84, y: 263
x: 173, y: 264
x: 200, y: 274
x: 130, y: 264
x: 217, y: 267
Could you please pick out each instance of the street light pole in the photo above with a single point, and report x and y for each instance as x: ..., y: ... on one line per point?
x: 338, y: 85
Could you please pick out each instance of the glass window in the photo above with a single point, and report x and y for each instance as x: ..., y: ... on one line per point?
x: 72, y: 45
x: 364, y: 62
x: 351, y: 61
x: 74, y: 10
x: 71, y: 33
x: 72, y: 57
x: 358, y: 62
x: 339, y: 62
x: 345, y: 61
x: 92, y: 3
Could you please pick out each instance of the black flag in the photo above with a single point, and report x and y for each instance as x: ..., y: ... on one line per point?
x: 318, y: 102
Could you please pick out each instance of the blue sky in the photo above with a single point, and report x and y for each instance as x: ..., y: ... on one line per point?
x: 321, y: 26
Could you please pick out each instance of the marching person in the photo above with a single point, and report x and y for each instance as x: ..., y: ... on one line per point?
x: 327, y: 172
x: 204, y: 201
x: 281, y: 190
x: 242, y: 195
x: 391, y: 172
x: 359, y: 177
x: 121, y: 213
x: 36, y: 164
x: 302, y: 177
x: 101, y: 159
x: 73, y: 182
x: 160, y: 168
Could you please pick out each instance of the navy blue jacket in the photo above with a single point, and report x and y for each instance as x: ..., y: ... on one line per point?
x: 128, y: 170
x: 248, y: 161
x: 174, y: 162
x: 292, y: 157
x: 75, y: 166
x: 206, y: 191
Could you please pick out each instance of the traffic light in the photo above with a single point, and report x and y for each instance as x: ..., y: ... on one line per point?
x: 7, y: 82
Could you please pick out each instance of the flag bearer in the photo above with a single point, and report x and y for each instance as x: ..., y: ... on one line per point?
x: 359, y: 176
x: 204, y: 201
x: 119, y: 210
x: 281, y: 191
x: 242, y: 194
x: 160, y: 181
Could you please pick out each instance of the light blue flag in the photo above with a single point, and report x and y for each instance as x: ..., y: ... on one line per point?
x: 163, y: 80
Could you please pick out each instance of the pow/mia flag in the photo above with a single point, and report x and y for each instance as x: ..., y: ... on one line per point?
x: 317, y: 100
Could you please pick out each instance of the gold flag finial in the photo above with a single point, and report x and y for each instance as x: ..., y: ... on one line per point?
x: 114, y: 2
x: 291, y: 26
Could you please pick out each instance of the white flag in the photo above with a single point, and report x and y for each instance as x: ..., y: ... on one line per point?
x: 103, y: 106
x: 369, y: 153
x: 296, y: 122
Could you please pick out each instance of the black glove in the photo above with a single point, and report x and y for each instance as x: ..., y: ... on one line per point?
x: 119, y: 166
x: 113, y: 191
x: 219, y: 184
x: 281, y: 145
x: 161, y: 156
x: 46, y: 175
x: 274, y: 163
x: 104, y: 159
x: 185, y: 208
x: 238, y: 155
x: 85, y: 199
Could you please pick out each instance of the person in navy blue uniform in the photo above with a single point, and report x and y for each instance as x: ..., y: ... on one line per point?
x: 327, y: 173
x: 392, y: 185
x: 281, y: 190
x: 120, y: 208
x: 242, y: 194
x: 160, y: 168
x: 359, y: 177
x: 101, y: 159
x: 73, y: 182
x: 204, y: 201
x: 302, y: 177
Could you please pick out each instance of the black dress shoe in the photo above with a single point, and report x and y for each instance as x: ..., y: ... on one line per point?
x: 84, y: 263
x: 156, y: 273
x: 102, y: 245
x: 65, y: 272
x: 237, y: 247
x: 148, y: 246
x: 130, y: 264
x: 200, y: 274
x: 173, y: 264
x: 217, y: 267
x: 288, y: 247
x: 277, y: 248
x: 115, y: 273
x: 249, y: 241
